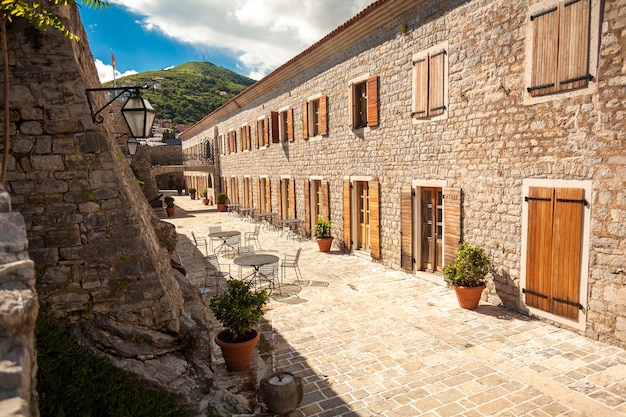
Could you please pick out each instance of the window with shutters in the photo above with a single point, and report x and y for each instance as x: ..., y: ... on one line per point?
x: 285, y: 125
x: 244, y: 134
x: 364, y: 102
x: 361, y: 216
x: 562, y: 40
x: 554, y: 264
x: 262, y: 139
x: 315, y: 117
x: 430, y: 83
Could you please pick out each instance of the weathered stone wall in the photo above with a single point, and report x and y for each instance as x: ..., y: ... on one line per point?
x: 167, y: 155
x: 491, y: 140
x: 18, y: 312
x: 102, y: 258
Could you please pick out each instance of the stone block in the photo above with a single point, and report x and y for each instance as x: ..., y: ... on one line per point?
x: 62, y: 236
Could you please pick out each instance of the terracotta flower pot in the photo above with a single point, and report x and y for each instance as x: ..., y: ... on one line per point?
x: 325, y: 243
x: 237, y: 355
x: 468, y: 297
x: 221, y: 207
x: 170, y: 211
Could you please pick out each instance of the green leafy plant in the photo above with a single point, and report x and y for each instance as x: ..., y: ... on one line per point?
x: 471, y: 266
x: 204, y: 193
x: 322, y: 228
x: 169, y: 201
x: 191, y: 190
x: 239, y: 308
x: 221, y: 198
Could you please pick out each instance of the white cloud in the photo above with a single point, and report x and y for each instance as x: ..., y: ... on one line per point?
x: 105, y: 71
x: 261, y: 34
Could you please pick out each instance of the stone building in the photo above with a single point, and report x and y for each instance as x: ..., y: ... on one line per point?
x: 420, y: 124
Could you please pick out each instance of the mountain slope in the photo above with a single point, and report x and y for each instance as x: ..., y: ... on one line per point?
x: 188, y: 92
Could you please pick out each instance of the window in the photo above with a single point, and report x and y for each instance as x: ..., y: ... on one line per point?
x: 232, y: 141
x: 285, y: 125
x: 246, y: 144
x: 316, y: 202
x: 430, y: 83
x: 364, y: 103
x: 315, y: 117
x: 262, y: 133
x: 560, y: 40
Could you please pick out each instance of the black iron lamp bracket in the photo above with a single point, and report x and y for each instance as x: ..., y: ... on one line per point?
x: 119, y: 91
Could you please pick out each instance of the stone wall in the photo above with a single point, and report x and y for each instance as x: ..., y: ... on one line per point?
x: 490, y: 142
x: 167, y: 155
x: 18, y: 313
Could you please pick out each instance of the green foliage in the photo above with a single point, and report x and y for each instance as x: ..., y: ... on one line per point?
x: 72, y: 382
x: 239, y: 308
x: 191, y: 190
x: 121, y: 285
x: 188, y: 92
x: 221, y: 198
x: 471, y: 266
x: 204, y: 193
x: 169, y: 201
x: 322, y: 228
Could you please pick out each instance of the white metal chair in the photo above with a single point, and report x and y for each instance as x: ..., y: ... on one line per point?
x: 269, y: 273
x: 213, y: 229
x: 245, y: 250
x: 200, y: 241
x: 291, y: 261
x: 233, y: 243
x: 253, y: 236
x: 213, y: 268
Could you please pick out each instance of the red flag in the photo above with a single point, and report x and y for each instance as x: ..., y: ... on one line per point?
x: 113, y: 61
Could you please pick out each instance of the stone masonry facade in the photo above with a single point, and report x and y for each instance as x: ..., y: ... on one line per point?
x: 494, y: 143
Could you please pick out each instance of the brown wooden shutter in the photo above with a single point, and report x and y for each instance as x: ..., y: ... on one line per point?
x: 292, y: 199
x: 539, y: 247
x: 452, y: 204
x: 325, y: 199
x: 290, y: 125
x: 372, y: 101
x: 307, y: 205
x: 257, y: 136
x: 421, y: 88
x: 268, y: 195
x: 275, y: 131
x: 305, y: 120
x: 266, y: 132
x: 436, y: 87
x: 374, y: 190
x: 347, y: 235
x: 228, y: 142
x: 249, y: 137
x: 567, y: 251
x: 323, y: 115
x: 574, y: 38
x: 352, y: 100
x: 259, y: 202
x: 545, y: 27
x: 279, y: 190
x: 406, y: 228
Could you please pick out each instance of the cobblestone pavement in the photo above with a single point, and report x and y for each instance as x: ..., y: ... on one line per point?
x: 372, y: 341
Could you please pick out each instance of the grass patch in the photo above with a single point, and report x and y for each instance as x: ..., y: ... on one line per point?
x: 72, y: 382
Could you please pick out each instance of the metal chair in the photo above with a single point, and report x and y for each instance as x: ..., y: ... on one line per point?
x: 269, y: 273
x: 233, y: 243
x: 213, y: 229
x: 213, y: 268
x: 291, y: 261
x: 200, y: 241
x: 253, y: 236
x: 245, y: 250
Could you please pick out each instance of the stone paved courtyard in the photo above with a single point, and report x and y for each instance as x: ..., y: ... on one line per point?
x: 371, y: 341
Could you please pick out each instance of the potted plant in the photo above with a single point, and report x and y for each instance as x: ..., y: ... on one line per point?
x: 322, y: 233
x: 467, y: 274
x: 239, y: 309
x: 221, y: 199
x: 179, y: 188
x: 192, y: 193
x: 169, y: 209
x: 205, y: 196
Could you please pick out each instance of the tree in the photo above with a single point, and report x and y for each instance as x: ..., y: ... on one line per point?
x: 37, y: 15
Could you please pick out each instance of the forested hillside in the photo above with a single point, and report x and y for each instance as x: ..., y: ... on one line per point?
x: 188, y: 92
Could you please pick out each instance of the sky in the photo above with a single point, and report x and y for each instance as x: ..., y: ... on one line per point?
x: 249, y: 37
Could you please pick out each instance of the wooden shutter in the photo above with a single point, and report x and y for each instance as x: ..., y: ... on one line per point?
x: 325, y: 199
x: 545, y: 27
x: 275, y: 131
x: 574, y: 38
x: 567, y: 251
x: 249, y: 137
x: 305, y: 120
x: 436, y: 87
x: 292, y: 198
x: 228, y: 142
x: 539, y: 247
x: 452, y: 204
x: 307, y: 205
x: 374, y: 190
x: 347, y: 235
x: 406, y: 228
x: 372, y: 101
x: 352, y: 100
x: 323, y: 115
x: 259, y: 202
x: 421, y: 88
x: 279, y: 190
x: 266, y: 131
x: 290, y: 125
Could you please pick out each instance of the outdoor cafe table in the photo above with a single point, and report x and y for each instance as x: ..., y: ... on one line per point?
x: 290, y: 223
x: 256, y: 261
x: 224, y: 235
x: 266, y: 218
x: 246, y: 212
x: 232, y: 208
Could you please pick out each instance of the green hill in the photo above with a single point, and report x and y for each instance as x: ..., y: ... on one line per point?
x: 188, y: 92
